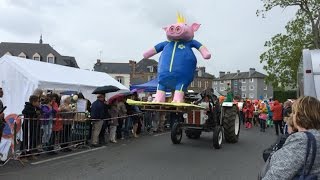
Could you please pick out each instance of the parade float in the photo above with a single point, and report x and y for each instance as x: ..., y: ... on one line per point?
x: 176, y: 68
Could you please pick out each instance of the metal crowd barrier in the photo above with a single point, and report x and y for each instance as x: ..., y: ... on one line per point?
x: 37, y: 136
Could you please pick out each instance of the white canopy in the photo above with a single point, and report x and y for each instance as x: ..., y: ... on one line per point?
x: 20, y: 77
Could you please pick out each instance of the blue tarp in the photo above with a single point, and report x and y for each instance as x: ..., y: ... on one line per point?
x: 150, y: 86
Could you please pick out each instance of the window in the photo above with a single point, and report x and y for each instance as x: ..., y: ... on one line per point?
x: 251, y: 95
x: 251, y: 80
x: 120, y: 79
x: 22, y: 55
x: 8, y: 53
x: 235, y: 83
x: 251, y: 88
x: 192, y: 84
x: 36, y: 57
x: 150, y: 68
x: 265, y: 87
x: 206, y: 84
x: 50, y: 58
x: 266, y: 96
x: 199, y: 83
x: 222, y: 88
x: 215, y: 88
x: 215, y: 82
x: 243, y: 88
x: 244, y: 95
x: 150, y: 78
x: 222, y: 82
x: 243, y: 80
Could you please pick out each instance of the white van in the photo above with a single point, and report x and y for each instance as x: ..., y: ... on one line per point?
x: 309, y: 74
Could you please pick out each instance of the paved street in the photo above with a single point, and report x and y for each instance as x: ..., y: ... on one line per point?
x: 155, y: 157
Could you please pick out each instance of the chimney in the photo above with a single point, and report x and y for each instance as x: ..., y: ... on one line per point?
x: 133, y: 64
x: 228, y: 72
x: 201, y: 71
x: 251, y: 71
x: 40, y: 41
x: 221, y: 73
x: 98, y: 62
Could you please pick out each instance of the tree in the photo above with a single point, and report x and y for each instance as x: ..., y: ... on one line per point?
x: 284, y: 51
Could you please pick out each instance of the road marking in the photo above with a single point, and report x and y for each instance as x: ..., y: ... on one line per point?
x: 161, y: 134
x: 68, y: 155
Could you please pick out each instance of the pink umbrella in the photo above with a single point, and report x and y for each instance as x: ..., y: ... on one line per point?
x: 115, y: 97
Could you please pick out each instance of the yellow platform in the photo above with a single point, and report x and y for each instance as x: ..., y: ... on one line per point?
x: 164, y: 106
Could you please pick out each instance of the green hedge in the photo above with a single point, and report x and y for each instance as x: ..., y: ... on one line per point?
x: 282, y: 96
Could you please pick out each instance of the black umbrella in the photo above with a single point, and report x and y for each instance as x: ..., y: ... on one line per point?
x: 105, y: 89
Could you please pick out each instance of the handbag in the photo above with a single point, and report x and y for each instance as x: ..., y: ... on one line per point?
x: 304, y: 172
x: 265, y: 168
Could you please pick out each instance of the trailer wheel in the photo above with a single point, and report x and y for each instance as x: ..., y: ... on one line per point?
x: 231, y: 124
x: 176, y: 133
x: 217, y: 137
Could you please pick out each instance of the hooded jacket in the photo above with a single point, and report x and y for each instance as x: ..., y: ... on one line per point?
x: 30, y: 111
x: 276, y: 108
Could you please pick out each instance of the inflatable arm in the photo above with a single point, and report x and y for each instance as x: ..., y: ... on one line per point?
x: 155, y: 50
x: 148, y: 54
x: 204, y: 52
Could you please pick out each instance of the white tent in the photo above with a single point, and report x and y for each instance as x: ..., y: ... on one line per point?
x: 19, y: 78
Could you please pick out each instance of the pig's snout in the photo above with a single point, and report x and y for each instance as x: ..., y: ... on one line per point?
x: 178, y: 29
x: 175, y: 30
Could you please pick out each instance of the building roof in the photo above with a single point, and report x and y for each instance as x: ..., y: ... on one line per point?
x: 142, y: 65
x: 29, y: 49
x: 241, y: 75
x: 113, y: 68
x: 135, y: 81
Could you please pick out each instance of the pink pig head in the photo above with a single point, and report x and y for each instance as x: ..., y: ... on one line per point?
x: 181, y: 30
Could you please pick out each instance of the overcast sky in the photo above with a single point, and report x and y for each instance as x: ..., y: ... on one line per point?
x: 124, y: 29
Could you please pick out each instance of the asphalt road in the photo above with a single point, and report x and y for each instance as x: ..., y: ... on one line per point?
x: 153, y: 158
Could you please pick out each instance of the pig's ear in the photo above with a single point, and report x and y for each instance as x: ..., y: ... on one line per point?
x: 195, y: 27
x: 165, y: 28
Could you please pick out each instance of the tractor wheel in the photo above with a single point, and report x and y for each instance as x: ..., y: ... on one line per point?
x: 217, y: 137
x: 176, y: 133
x: 231, y: 124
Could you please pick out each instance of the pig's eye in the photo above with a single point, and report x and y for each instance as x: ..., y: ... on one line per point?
x: 171, y: 28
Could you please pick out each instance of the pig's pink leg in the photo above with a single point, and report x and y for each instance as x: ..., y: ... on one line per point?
x: 160, y: 96
x: 178, y: 97
x: 204, y: 52
x: 151, y: 52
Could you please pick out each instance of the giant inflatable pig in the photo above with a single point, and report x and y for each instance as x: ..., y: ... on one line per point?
x: 177, y: 62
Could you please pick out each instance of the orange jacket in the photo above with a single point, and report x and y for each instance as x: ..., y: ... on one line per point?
x: 276, y: 108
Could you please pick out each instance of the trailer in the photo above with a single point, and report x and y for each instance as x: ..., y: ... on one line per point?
x: 309, y: 74
x: 220, y: 119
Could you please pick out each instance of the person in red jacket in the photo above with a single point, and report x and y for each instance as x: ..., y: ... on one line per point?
x: 277, y: 118
x: 248, y: 113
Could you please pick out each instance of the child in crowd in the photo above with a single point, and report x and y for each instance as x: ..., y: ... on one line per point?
x: 263, y: 116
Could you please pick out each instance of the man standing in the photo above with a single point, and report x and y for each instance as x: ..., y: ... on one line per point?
x: 2, y: 122
x: 276, y: 108
x: 98, y: 114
